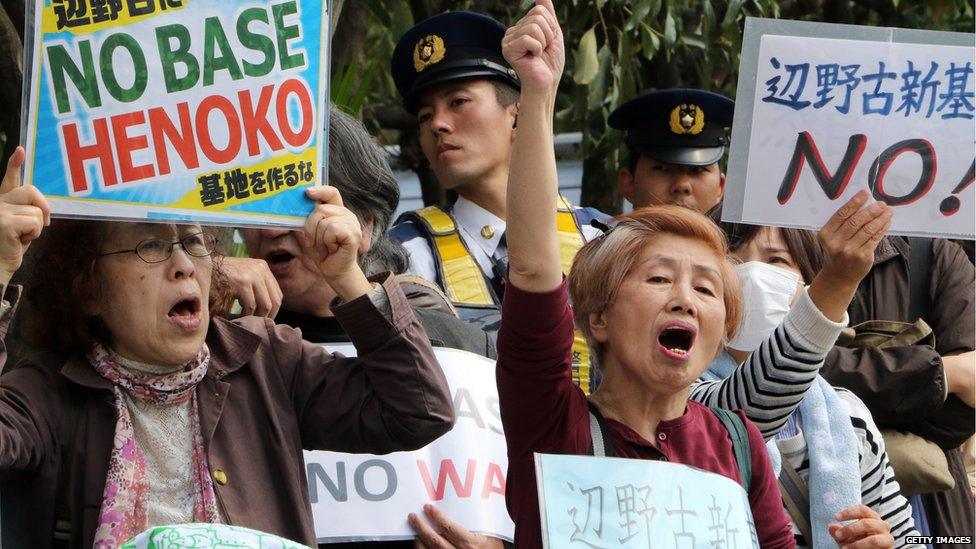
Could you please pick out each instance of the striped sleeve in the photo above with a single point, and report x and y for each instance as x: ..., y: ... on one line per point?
x: 879, y: 489
x: 772, y: 381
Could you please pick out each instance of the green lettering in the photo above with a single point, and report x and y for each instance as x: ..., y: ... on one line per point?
x: 285, y: 33
x: 105, y: 58
x: 215, y: 39
x: 170, y: 57
x: 85, y: 81
x: 256, y: 42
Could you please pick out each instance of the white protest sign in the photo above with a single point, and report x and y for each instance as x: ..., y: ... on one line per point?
x: 612, y: 502
x: 359, y: 497
x: 824, y: 110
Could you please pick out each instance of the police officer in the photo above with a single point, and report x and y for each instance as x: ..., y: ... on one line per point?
x: 676, y: 139
x: 450, y: 73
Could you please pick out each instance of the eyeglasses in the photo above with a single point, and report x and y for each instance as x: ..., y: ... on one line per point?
x: 157, y: 250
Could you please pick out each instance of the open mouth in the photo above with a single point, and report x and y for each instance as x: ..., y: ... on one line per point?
x: 677, y: 340
x: 185, y: 313
x: 185, y: 308
x: 279, y: 257
x: 279, y: 261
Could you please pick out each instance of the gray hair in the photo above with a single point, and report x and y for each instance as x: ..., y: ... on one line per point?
x: 359, y: 169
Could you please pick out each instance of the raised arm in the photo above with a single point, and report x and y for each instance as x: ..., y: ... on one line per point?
x: 393, y: 396
x: 534, y: 48
x: 25, y: 441
x: 849, y: 239
x: 769, y: 385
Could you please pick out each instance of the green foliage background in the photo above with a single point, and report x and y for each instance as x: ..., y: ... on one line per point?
x: 615, y: 50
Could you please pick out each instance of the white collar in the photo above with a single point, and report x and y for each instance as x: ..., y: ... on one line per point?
x: 471, y: 218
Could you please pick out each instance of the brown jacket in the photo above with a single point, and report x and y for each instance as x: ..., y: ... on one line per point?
x: 267, y: 396
x: 904, y: 387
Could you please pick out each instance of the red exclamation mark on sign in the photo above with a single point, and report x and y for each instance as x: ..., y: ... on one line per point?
x: 950, y: 205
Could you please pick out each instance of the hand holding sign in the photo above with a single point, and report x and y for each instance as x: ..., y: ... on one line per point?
x: 334, y: 238
x: 868, y: 529
x: 534, y: 48
x: 444, y: 533
x: 849, y: 239
x: 851, y: 235
x: 24, y: 212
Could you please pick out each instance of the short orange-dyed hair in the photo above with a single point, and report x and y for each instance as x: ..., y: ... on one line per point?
x: 602, y: 264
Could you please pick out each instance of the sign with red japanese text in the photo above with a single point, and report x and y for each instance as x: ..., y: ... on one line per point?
x: 179, y: 110
x: 823, y: 111
x: 606, y: 502
x: 359, y: 497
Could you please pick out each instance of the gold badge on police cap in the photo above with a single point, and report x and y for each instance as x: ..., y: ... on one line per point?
x: 428, y: 51
x: 687, y: 119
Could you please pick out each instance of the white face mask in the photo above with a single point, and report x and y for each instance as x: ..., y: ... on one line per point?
x: 767, y: 292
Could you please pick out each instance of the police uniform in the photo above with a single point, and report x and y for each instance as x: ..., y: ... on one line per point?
x: 676, y: 126
x: 463, y: 248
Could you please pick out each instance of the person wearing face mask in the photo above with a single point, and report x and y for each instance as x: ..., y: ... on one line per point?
x: 830, y: 445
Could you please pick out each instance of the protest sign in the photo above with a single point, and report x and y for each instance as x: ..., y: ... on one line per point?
x: 182, y: 536
x: 612, y: 502
x: 187, y: 110
x: 358, y: 497
x: 823, y: 111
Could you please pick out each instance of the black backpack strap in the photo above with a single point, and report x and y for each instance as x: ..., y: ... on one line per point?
x: 919, y: 277
x: 599, y: 434
x: 740, y: 443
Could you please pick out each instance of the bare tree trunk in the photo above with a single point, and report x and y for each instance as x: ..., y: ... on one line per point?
x: 838, y: 11
x: 334, y: 16
x: 349, y: 36
x: 599, y: 191
x: 16, y: 12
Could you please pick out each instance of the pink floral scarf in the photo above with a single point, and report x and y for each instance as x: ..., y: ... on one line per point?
x: 124, y: 513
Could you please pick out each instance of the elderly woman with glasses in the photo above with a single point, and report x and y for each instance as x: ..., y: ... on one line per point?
x: 144, y: 407
x: 656, y: 298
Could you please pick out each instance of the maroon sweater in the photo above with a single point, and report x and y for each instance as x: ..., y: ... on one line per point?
x: 543, y: 411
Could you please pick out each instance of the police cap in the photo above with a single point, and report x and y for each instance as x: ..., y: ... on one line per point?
x: 676, y: 126
x: 447, y: 47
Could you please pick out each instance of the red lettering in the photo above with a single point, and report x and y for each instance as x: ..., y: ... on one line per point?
x: 447, y: 470
x: 255, y: 121
x: 164, y: 130
x: 77, y: 154
x: 951, y: 204
x: 125, y: 145
x: 834, y: 184
x: 926, y: 179
x: 304, y: 96
x: 494, y: 473
x: 176, y: 130
x: 222, y: 104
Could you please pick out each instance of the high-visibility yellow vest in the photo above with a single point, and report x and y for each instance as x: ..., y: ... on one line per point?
x: 468, y: 287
